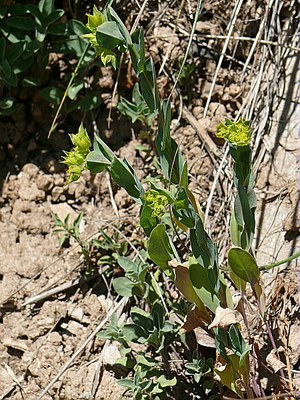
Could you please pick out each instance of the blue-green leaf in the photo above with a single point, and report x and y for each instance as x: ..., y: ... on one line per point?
x: 121, y: 26
x: 108, y: 35
x: 243, y: 265
x: 123, y: 286
x: 96, y: 162
x: 159, y: 249
x: 125, y: 177
x: 54, y: 16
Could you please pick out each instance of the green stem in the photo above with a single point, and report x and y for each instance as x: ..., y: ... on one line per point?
x: 53, y: 126
x: 286, y: 260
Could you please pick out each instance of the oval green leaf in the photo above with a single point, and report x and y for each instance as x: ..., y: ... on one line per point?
x: 243, y: 265
x: 160, y: 250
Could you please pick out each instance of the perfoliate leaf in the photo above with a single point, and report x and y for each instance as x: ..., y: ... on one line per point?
x: 149, y: 86
x: 160, y: 250
x: 243, y: 265
x: 96, y: 162
x: 202, y: 285
x: 125, y: 177
x: 122, y: 28
x: 147, y: 220
x: 108, y: 35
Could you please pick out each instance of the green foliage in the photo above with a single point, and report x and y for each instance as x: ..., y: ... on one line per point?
x: 66, y: 229
x: 29, y: 32
x: 187, y: 76
x: 203, y: 282
x: 243, y: 265
x: 160, y: 249
x: 106, y: 248
x: 134, y: 282
x: 137, y: 110
x: 199, y: 367
x: 166, y: 210
x: 155, y: 333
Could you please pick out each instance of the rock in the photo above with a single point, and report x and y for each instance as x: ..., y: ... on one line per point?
x: 110, y: 353
x: 31, y: 170
x: 15, y: 344
x: 59, y: 180
x: 55, y: 337
x: 198, y: 111
x: 75, y: 328
x: 58, y: 194
x: 44, y: 182
x: 76, y: 313
x: 62, y: 210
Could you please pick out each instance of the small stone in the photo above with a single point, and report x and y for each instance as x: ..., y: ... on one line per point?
x: 15, y: 344
x: 31, y: 170
x: 59, y: 180
x: 75, y: 328
x: 76, y: 314
x: 54, y: 337
x: 198, y: 111
x: 44, y: 182
x: 62, y: 210
x: 110, y: 353
x: 217, y: 109
x: 58, y: 194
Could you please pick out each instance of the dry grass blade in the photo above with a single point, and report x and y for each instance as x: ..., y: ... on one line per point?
x: 272, y: 397
x: 255, y: 43
x: 231, y: 25
x: 167, y: 55
x: 199, y: 4
x: 52, y: 292
x: 209, y: 144
x: 265, y: 78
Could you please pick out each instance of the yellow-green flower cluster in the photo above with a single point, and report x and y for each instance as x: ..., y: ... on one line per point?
x: 157, y: 201
x: 94, y: 20
x: 238, y: 133
x: 75, y: 159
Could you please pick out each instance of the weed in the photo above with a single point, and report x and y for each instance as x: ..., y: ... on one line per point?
x: 103, y: 250
x: 167, y: 208
x: 30, y: 33
x: 137, y: 110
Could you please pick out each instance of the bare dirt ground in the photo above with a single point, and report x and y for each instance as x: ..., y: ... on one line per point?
x: 49, y: 310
